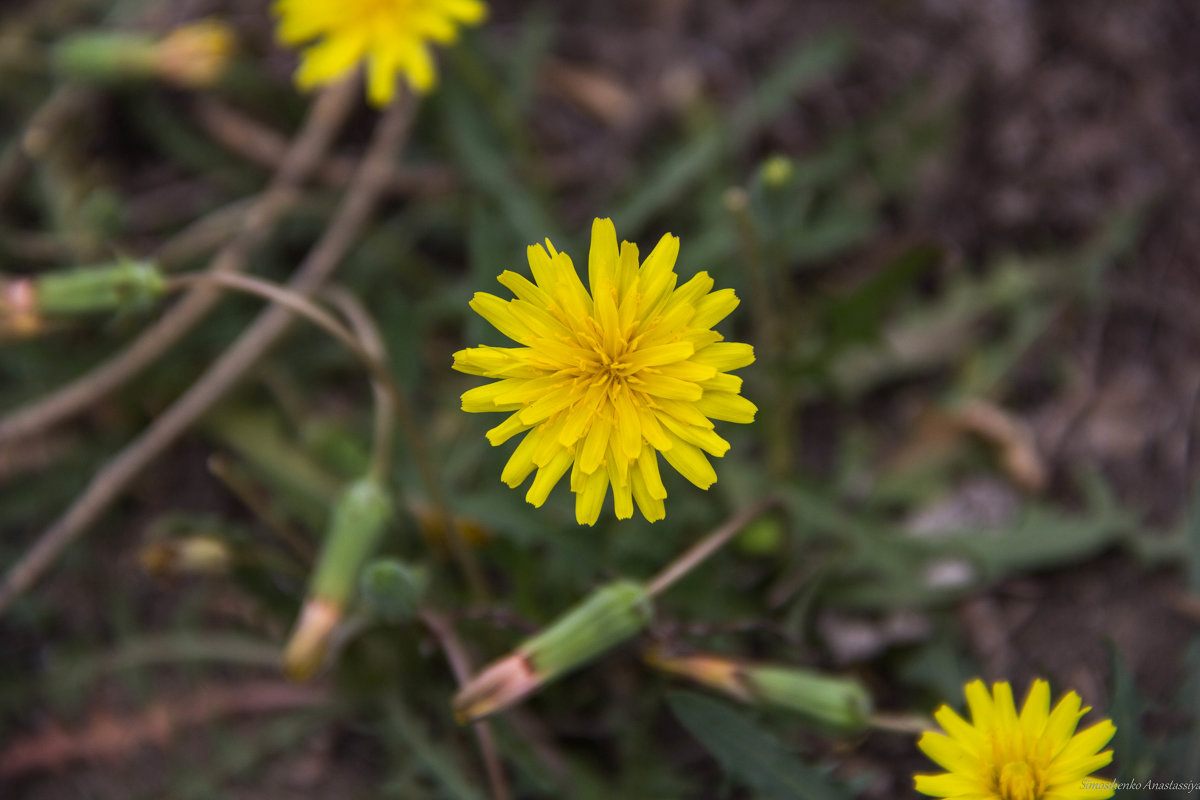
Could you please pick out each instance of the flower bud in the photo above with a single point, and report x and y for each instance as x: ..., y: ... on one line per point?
x: 837, y: 703
x: 190, y: 555
x: 305, y: 651
x: 359, y: 520
x: 19, y: 317
x: 393, y: 589
x: 776, y: 171
x: 196, y: 55
x: 105, y: 57
x: 192, y: 56
x: 606, y: 618
x: 124, y: 285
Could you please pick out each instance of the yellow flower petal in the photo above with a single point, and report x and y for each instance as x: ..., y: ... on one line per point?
x: 607, y: 379
x: 390, y: 36
x: 1000, y: 755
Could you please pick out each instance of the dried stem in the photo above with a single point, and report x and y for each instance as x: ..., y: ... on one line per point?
x: 317, y: 268
x: 366, y: 344
x: 387, y: 407
x: 706, y: 547
x: 460, y: 665
x: 324, y: 120
x: 261, y: 145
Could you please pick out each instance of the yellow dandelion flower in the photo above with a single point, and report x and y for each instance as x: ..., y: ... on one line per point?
x: 1002, y: 756
x: 605, y: 381
x: 391, y: 35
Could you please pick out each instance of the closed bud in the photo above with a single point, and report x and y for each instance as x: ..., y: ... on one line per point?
x: 189, y: 555
x: 359, y: 520
x: 839, y: 703
x: 192, y: 56
x: 105, y: 57
x: 714, y: 671
x: 777, y: 171
x: 606, y: 618
x: 124, y: 285
x: 196, y: 55
x: 19, y: 317
x: 836, y: 703
x: 306, y: 649
x: 393, y: 589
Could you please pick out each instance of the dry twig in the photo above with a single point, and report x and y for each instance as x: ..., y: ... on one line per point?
x: 317, y: 268
x: 263, y: 146
x: 460, y: 665
x: 323, y: 123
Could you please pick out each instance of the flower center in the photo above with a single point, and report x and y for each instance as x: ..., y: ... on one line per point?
x: 610, y: 362
x: 1018, y: 781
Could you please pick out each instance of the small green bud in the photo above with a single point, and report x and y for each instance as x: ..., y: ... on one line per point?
x: 839, y: 703
x: 606, y: 618
x: 359, y: 520
x: 107, y: 287
x: 105, y: 57
x: 194, y: 56
x: 393, y: 589
x: 192, y: 555
x: 776, y: 171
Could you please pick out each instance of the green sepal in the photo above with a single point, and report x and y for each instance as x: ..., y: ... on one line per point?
x: 124, y: 285
x: 605, y: 618
x: 839, y: 703
x: 359, y: 520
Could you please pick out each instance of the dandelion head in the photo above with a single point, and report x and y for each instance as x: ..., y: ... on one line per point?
x: 1003, y: 755
x: 391, y: 36
x: 605, y: 380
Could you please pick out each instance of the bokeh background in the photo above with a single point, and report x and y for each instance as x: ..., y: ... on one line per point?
x: 964, y: 234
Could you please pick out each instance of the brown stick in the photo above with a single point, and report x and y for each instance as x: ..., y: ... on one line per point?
x: 460, y: 665
x: 705, y: 548
x: 270, y: 326
x: 261, y: 145
x: 314, y: 139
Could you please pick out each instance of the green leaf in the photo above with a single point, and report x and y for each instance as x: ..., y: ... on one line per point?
x: 749, y: 754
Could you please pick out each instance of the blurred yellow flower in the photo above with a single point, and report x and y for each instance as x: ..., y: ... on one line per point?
x: 391, y: 35
x: 607, y: 380
x: 1002, y: 756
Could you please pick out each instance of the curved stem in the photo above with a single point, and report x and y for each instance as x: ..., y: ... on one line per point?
x: 320, y: 264
x: 387, y: 406
x: 324, y: 120
x: 460, y: 665
x: 706, y: 547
